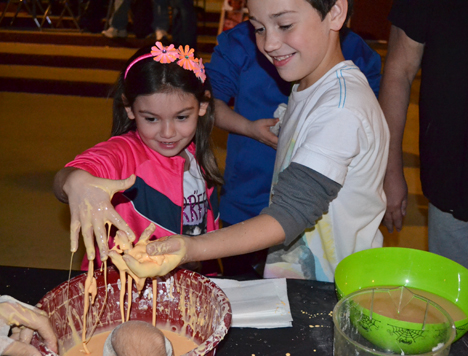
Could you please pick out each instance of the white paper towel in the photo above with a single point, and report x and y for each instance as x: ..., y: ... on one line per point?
x: 261, y: 304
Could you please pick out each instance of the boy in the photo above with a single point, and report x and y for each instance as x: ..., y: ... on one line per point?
x: 247, y: 176
x: 327, y: 197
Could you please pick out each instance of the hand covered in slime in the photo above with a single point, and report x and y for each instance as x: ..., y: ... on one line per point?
x: 136, y: 261
x: 90, y: 198
x: 23, y: 320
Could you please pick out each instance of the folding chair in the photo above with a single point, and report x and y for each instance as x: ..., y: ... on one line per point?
x: 66, y: 8
x: 31, y: 10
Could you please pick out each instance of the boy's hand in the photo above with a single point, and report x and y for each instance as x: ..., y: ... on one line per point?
x: 164, y: 255
x: 90, y: 198
x: 260, y: 131
x: 24, y: 319
x: 396, y: 191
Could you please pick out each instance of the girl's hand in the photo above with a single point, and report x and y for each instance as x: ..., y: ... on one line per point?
x: 90, y: 198
x: 260, y: 131
x: 164, y: 255
x: 24, y: 319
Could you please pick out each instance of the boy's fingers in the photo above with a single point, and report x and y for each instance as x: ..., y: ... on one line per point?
x: 141, y: 270
x: 161, y: 247
x: 146, y: 235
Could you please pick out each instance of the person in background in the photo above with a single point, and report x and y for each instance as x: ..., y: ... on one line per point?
x: 239, y: 72
x: 430, y: 35
x: 158, y: 166
x: 93, y: 15
x: 161, y: 20
x: 145, y: 22
x: 184, y: 23
x: 327, y: 192
x: 18, y: 321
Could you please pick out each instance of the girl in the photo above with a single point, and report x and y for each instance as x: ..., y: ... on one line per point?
x: 157, y: 166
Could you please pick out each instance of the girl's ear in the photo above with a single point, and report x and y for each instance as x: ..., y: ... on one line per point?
x: 203, y: 108
x: 128, y: 108
x: 338, y: 14
x: 204, y: 104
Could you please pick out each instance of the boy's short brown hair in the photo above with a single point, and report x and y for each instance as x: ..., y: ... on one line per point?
x: 324, y: 6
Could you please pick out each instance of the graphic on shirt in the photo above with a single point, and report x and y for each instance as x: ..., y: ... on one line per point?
x: 324, y: 229
x: 195, y: 210
x: 295, y: 261
x: 147, y: 201
x: 195, y: 201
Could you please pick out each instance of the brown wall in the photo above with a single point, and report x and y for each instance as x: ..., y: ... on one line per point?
x: 369, y: 19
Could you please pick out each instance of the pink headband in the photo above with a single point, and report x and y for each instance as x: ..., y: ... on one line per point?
x: 169, y: 54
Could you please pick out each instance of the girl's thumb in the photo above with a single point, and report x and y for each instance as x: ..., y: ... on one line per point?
x: 123, y: 184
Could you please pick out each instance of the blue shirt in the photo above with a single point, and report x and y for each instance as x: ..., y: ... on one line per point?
x: 239, y: 71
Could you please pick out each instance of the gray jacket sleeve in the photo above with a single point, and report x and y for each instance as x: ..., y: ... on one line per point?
x: 300, y: 198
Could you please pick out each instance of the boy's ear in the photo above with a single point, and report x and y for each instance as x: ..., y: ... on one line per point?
x: 338, y: 14
x: 128, y: 108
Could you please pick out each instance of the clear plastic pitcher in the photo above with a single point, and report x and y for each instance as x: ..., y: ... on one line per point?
x: 391, y: 321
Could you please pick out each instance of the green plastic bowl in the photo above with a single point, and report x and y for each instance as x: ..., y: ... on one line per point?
x: 395, y: 266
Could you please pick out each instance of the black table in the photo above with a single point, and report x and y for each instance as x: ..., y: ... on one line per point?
x: 311, y: 305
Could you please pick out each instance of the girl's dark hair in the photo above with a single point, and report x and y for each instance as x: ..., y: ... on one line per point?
x: 147, y: 77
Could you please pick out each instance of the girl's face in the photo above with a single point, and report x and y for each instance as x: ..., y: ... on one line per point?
x: 292, y: 35
x: 167, y: 122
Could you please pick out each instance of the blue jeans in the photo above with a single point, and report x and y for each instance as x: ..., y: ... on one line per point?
x: 119, y: 18
x: 448, y: 236
x: 184, y: 23
x: 160, y: 10
x: 160, y: 15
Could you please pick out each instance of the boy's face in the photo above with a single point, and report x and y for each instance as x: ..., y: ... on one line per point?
x: 292, y: 35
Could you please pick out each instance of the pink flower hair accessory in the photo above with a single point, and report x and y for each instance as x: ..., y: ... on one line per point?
x: 184, y: 57
x: 163, y: 54
x: 199, y: 70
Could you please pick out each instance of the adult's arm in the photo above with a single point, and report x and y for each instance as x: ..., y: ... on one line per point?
x: 229, y: 120
x: 234, y: 53
x: 401, y: 66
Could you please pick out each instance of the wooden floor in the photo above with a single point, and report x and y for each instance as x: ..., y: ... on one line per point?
x: 42, y: 129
